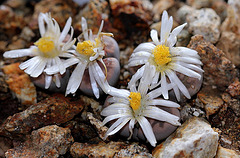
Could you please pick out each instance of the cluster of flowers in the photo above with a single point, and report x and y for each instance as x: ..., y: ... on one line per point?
x: 54, y: 52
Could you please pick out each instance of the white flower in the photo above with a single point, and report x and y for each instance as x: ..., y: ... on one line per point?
x: 166, y: 59
x: 135, y: 105
x: 86, y: 55
x: 47, y: 51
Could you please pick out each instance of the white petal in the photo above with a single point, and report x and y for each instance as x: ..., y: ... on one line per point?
x: 112, y: 117
x: 186, y: 71
x: 117, y: 126
x: 122, y: 93
x: 161, y: 115
x: 155, y: 81
x: 163, y: 103
x: 48, y: 80
x: 173, y: 36
x: 57, y: 81
x: 117, y: 99
x: 84, y: 28
x: 147, y: 130
x: 157, y: 92
x: 187, y: 60
x: 131, y: 126
x: 148, y: 47
x: 166, y: 27
x: 18, y: 53
x: 123, y: 123
x: 183, y: 51
x: 191, y: 66
x: 93, y: 82
x: 41, y: 24
x: 56, y: 29
x: 164, y: 85
x: 28, y: 63
x: 177, y: 92
x: 67, y: 63
x: 178, y: 83
x: 61, y: 65
x: 100, y: 28
x: 117, y: 108
x: 92, y: 58
x: 137, y: 62
x: 135, y: 78
x: 37, y: 67
x: 100, y: 78
x: 146, y: 79
x: 141, y: 54
x: 76, y: 78
x: 154, y: 36
x: 65, y: 30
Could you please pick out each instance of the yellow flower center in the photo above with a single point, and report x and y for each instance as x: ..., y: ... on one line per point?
x: 135, y: 100
x: 85, y: 48
x: 162, y: 55
x: 46, y: 46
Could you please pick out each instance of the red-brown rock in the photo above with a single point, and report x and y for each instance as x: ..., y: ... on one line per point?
x: 54, y: 110
x: 218, y: 70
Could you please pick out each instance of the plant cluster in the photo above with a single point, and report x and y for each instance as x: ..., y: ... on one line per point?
x: 56, y: 51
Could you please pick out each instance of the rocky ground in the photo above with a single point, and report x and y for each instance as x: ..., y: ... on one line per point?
x: 44, y: 123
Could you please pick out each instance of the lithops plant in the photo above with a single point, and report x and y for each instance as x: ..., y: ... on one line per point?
x: 92, y: 70
x: 168, y: 61
x: 139, y: 113
x: 47, y: 51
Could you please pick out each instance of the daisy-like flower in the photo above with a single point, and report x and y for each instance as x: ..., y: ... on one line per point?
x: 166, y: 59
x: 86, y: 54
x: 135, y: 106
x: 47, y: 51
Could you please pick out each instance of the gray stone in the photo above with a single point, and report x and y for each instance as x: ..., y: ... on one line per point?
x: 204, y: 22
x: 183, y: 12
x: 195, y: 138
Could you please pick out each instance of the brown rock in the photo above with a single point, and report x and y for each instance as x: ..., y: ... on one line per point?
x: 228, y: 122
x: 218, y: 70
x: 231, y: 23
x: 11, y: 23
x: 60, y: 11
x: 80, y: 131
x: 220, y: 8
x: 49, y: 141
x: 5, y: 144
x: 95, y: 12
x: 111, y: 149
x: 54, y: 110
x: 232, y: 103
x: 210, y: 100
x: 160, y: 6
x: 20, y: 84
x: 199, y: 3
x: 101, y: 130
x: 130, y: 17
x: 226, y: 153
x: 234, y: 88
x: 16, y: 44
x: 229, y: 43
